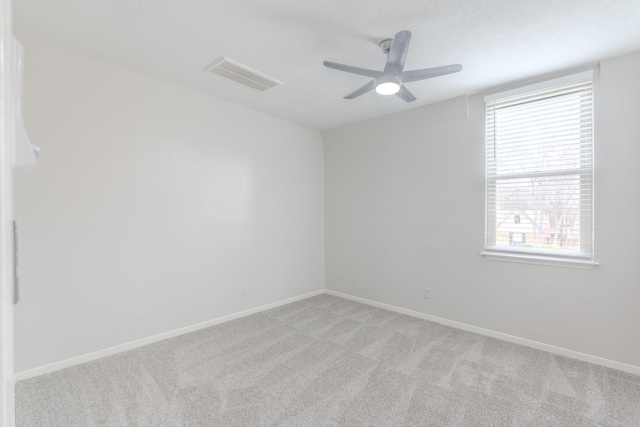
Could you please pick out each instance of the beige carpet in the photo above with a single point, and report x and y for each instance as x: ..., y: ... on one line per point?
x: 327, y: 361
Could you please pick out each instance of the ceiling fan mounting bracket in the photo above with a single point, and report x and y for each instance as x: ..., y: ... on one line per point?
x: 385, y: 45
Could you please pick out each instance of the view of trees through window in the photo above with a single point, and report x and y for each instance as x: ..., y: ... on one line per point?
x: 544, y: 218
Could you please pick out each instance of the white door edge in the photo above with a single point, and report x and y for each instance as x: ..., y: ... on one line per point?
x: 7, y: 135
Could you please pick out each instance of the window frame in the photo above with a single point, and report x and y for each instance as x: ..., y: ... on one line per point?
x: 582, y: 260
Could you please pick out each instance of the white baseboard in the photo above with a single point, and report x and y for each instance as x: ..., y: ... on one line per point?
x: 30, y: 373
x: 56, y: 366
x: 499, y: 335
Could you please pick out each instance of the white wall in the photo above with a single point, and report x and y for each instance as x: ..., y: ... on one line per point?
x: 404, y: 198
x: 151, y: 206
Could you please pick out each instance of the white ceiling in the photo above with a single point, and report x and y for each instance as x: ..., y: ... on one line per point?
x: 496, y: 41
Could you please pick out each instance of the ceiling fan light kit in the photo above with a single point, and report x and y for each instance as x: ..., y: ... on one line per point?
x: 387, y: 88
x: 391, y: 80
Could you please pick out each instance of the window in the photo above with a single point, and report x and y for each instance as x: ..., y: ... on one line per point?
x: 539, y: 172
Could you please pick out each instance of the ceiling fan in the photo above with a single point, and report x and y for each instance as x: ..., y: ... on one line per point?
x: 391, y: 80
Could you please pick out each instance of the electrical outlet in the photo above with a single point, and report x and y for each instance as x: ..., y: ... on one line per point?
x: 427, y: 293
x: 245, y: 292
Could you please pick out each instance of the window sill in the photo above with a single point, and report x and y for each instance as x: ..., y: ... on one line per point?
x: 540, y: 260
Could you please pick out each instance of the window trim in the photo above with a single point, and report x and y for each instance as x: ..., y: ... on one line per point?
x: 551, y: 261
x: 580, y: 261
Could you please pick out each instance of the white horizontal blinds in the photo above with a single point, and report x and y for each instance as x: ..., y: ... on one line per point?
x: 539, y: 170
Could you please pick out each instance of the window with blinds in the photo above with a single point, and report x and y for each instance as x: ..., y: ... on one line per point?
x: 539, y: 169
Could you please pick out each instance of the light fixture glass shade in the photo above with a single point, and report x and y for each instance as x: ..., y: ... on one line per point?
x: 388, y: 88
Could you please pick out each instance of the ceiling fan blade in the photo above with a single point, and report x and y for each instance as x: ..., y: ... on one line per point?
x: 362, y: 90
x: 398, y: 52
x: 405, y: 95
x: 427, y: 73
x: 353, y: 70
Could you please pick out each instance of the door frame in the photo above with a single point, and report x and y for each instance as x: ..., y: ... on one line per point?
x: 7, y: 135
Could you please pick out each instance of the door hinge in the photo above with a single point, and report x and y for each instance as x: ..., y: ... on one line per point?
x: 16, y: 279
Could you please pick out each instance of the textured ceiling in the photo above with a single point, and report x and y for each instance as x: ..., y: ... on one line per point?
x: 496, y: 41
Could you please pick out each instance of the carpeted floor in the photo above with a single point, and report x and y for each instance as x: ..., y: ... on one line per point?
x: 327, y: 361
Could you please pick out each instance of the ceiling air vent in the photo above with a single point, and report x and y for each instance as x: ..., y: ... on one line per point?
x: 239, y: 73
